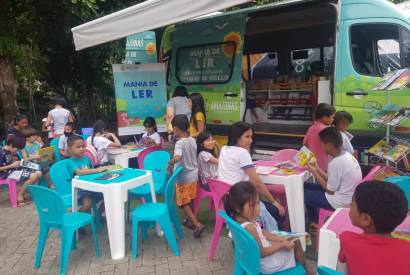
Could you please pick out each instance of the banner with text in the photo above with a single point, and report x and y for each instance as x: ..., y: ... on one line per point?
x: 141, y: 48
x: 140, y: 92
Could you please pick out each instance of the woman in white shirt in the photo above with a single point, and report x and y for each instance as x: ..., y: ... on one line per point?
x: 102, y: 140
x: 58, y: 117
x: 235, y: 165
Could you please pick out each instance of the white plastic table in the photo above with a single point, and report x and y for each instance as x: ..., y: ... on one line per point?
x: 115, y: 193
x: 122, y: 155
x: 294, y: 195
x: 329, y: 243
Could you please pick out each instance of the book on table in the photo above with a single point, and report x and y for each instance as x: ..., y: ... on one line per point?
x: 109, y: 176
x: 265, y: 170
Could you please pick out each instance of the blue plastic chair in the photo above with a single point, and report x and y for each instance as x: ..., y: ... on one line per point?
x: 404, y: 183
x: 53, y: 214
x: 156, y: 162
x: 161, y: 213
x: 54, y: 144
x: 61, y: 178
x: 247, y: 253
x: 322, y: 270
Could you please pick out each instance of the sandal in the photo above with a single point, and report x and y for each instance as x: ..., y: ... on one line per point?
x: 188, y: 225
x: 21, y: 203
x: 198, y: 231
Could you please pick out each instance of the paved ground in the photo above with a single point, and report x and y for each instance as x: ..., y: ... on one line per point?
x: 18, y: 241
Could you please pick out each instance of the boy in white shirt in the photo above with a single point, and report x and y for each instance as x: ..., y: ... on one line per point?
x: 336, y: 187
x: 342, y: 122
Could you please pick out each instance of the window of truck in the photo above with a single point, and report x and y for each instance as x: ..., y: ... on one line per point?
x: 377, y: 49
x: 302, y: 61
x: 206, y: 63
x: 263, y: 65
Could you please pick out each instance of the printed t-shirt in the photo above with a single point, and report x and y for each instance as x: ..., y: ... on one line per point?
x: 101, y: 145
x: 232, y: 163
x: 374, y: 254
x: 186, y: 148
x: 206, y: 169
x: 347, y: 145
x: 60, y: 118
x: 199, y: 117
x: 6, y: 158
x: 32, y: 149
x: 312, y: 141
x: 344, y: 174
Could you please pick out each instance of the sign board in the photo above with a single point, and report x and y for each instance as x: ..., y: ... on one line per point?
x: 141, y: 48
x: 140, y: 92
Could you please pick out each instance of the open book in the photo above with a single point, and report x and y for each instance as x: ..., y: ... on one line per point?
x: 30, y: 165
x: 293, y: 235
x: 304, y: 156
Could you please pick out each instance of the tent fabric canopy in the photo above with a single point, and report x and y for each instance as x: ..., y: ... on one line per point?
x: 145, y: 16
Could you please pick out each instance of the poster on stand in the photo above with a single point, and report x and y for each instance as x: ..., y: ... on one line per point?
x: 141, y: 48
x: 140, y: 92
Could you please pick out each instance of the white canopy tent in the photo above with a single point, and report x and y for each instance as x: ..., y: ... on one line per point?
x: 145, y: 16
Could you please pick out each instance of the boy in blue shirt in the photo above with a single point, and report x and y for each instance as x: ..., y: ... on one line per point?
x: 10, y: 164
x: 79, y: 164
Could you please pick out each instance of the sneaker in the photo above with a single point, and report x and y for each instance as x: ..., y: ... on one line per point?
x: 308, y: 239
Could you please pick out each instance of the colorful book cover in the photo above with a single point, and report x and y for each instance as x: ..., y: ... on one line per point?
x: 304, y: 156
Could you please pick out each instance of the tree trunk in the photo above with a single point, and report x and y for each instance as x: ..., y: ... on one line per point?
x: 8, y: 90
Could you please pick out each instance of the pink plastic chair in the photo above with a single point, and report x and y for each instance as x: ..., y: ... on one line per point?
x: 12, y: 191
x: 218, y: 189
x: 325, y: 214
x: 201, y: 194
x: 284, y: 155
x: 144, y: 153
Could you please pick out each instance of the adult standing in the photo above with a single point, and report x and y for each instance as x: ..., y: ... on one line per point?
x: 20, y: 122
x: 177, y: 105
x: 198, y: 118
x: 59, y: 116
x: 48, y: 129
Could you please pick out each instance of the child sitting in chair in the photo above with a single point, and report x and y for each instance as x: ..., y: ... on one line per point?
x: 377, y: 208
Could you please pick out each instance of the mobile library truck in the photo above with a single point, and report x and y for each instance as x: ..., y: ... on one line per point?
x: 289, y: 56
x: 280, y: 60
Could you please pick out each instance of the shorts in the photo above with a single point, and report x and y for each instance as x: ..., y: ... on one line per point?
x: 82, y: 194
x: 185, y: 192
x: 20, y: 175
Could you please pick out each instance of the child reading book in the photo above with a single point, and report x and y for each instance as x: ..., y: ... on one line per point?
x: 10, y: 166
x: 342, y: 122
x: 277, y: 253
x: 377, y: 208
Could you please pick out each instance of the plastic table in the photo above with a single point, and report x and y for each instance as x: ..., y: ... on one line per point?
x: 122, y: 155
x: 329, y: 243
x: 294, y: 194
x: 115, y: 193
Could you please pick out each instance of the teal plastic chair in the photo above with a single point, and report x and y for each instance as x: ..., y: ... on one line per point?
x: 247, y: 253
x: 54, y: 144
x: 53, y: 214
x: 61, y: 178
x: 322, y: 270
x: 404, y: 183
x: 156, y: 162
x: 162, y: 213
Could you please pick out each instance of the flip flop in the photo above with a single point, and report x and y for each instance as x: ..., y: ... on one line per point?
x: 21, y: 203
x: 198, y: 231
x: 188, y: 225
